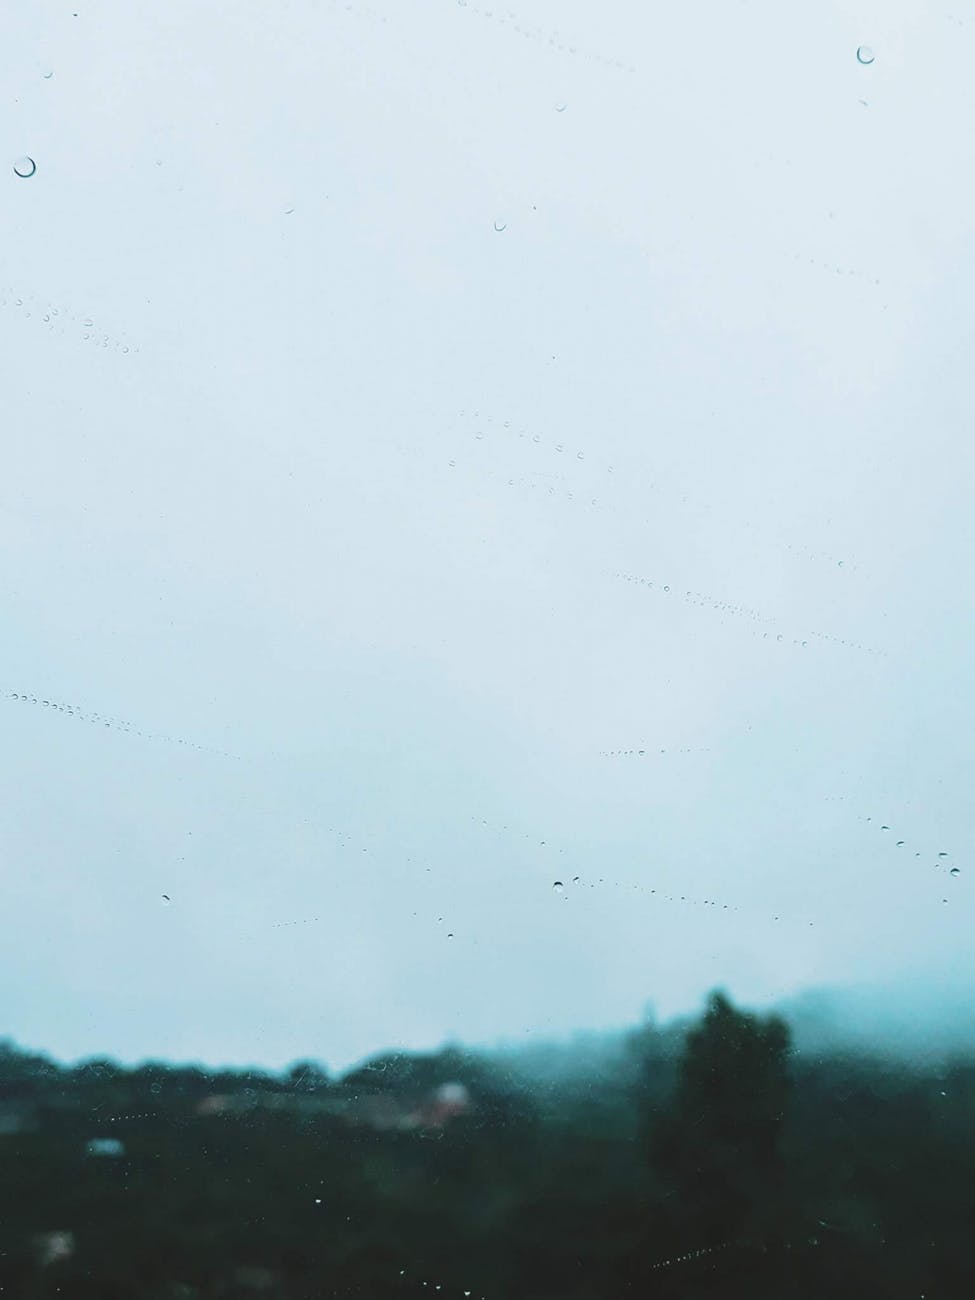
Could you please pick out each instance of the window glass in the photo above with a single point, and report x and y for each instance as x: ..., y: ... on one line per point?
x: 485, y: 649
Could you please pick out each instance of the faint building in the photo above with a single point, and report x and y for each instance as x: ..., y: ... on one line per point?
x: 251, y: 1278
x: 52, y: 1247
x: 104, y: 1147
x: 448, y: 1102
x: 217, y: 1103
x: 389, y: 1111
x: 16, y: 1119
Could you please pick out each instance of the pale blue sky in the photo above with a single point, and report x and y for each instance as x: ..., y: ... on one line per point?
x: 340, y: 475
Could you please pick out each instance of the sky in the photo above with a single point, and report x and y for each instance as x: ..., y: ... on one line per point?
x: 503, y: 475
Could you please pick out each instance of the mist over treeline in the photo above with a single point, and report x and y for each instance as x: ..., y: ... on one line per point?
x: 728, y: 1154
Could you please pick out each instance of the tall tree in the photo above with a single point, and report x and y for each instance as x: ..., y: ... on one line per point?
x: 718, y: 1146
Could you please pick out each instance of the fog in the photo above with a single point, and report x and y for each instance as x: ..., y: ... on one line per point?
x: 453, y: 452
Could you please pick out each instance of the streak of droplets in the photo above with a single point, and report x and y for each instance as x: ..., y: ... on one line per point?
x: 754, y: 616
x: 658, y: 895
x: 850, y: 272
x: 551, y: 39
x: 112, y: 723
x: 644, y: 753
x: 598, y: 470
x: 939, y: 859
x: 58, y: 320
x: 690, y: 1255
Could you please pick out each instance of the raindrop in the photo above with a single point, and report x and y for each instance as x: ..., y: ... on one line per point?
x: 48, y: 76
x: 955, y: 871
x: 166, y: 898
x: 25, y: 167
x: 318, y: 1200
x: 500, y: 225
x: 865, y: 54
x: 885, y: 828
x: 942, y: 854
x: 450, y: 934
x: 900, y: 844
x: 558, y: 886
x: 561, y: 107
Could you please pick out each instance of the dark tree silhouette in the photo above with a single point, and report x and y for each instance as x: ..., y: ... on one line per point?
x: 718, y: 1145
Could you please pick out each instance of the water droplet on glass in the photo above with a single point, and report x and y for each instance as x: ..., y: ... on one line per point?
x: 942, y: 854
x: 500, y: 225
x: 166, y: 899
x: 25, y: 167
x: 955, y: 871
x: 558, y: 886
x: 885, y: 828
x: 450, y: 934
x: 900, y: 844
x: 561, y: 107
x: 865, y: 54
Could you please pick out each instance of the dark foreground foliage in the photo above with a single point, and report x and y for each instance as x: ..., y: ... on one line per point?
x: 716, y: 1163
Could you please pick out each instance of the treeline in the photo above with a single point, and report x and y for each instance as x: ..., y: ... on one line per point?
x: 712, y: 1162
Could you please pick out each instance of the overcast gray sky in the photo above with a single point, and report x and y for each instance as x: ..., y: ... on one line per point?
x: 351, y: 352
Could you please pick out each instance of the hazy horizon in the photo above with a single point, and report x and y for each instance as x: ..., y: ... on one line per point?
x: 924, y: 1025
